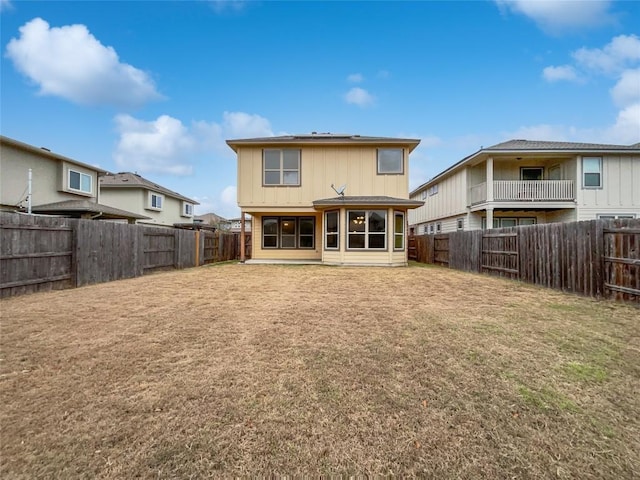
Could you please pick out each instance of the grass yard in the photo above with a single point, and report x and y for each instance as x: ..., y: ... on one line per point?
x: 245, y: 370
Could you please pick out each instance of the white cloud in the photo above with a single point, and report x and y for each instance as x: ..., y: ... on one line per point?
x: 5, y: 5
x: 166, y: 145
x: 71, y: 63
x: 225, y: 204
x: 563, y: 72
x: 359, y: 96
x: 162, y: 145
x: 557, y: 16
x: 627, y: 91
x: 355, y: 78
x: 626, y: 130
x: 617, y: 55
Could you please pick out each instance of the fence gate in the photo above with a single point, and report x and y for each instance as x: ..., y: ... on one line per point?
x: 441, y: 249
x: 622, y: 262
x: 500, y: 254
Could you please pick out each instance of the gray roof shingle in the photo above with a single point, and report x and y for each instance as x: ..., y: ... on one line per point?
x: 133, y: 180
x: 70, y: 207
x: 368, y: 201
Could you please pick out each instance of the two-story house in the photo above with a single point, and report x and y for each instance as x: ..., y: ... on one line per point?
x: 37, y: 180
x: 161, y: 206
x: 326, y: 198
x: 523, y: 182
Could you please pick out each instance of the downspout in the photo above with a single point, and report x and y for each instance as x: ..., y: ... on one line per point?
x: 29, y: 182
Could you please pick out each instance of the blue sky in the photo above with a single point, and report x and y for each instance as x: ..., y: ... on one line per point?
x: 157, y: 87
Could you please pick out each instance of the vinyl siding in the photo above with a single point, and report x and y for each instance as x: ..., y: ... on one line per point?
x: 319, y: 168
x: 450, y: 200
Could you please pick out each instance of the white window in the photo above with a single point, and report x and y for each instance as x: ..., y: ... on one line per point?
x: 187, y: 209
x: 460, y: 224
x: 155, y: 201
x: 431, y: 228
x: 398, y: 231
x: 592, y: 172
x: 331, y: 230
x: 503, y: 222
x: 438, y: 227
x: 367, y: 229
x: 390, y: 160
x: 424, y: 195
x: 79, y: 181
x: 433, y: 189
x: 531, y: 173
x: 281, y: 167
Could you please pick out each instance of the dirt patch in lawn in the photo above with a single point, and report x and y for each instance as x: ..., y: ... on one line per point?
x: 282, y: 370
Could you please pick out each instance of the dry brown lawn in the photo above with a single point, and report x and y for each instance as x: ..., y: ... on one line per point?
x: 245, y: 370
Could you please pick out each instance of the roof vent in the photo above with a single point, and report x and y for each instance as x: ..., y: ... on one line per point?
x: 45, y: 148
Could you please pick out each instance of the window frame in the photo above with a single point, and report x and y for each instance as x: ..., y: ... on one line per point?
x: 367, y: 234
x: 523, y: 169
x: 397, y: 234
x: 387, y: 149
x: 279, y: 235
x: 151, y: 206
x: 327, y: 232
x: 186, y: 206
x: 616, y: 216
x: 80, y: 176
x: 281, y: 170
x: 599, y: 173
x: 460, y: 224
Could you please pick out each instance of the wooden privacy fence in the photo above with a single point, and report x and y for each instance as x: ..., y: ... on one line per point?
x: 44, y: 253
x: 599, y: 258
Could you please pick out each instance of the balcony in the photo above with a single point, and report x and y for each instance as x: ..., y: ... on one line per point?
x: 524, y: 190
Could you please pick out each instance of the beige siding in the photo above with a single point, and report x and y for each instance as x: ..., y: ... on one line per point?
x: 450, y: 200
x: 49, y: 178
x: 510, y: 169
x: 319, y: 168
x: 137, y: 200
x: 620, y: 192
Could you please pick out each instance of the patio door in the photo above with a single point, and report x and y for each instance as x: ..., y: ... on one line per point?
x: 531, y: 173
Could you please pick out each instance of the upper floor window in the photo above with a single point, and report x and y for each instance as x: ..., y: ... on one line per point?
x: 592, y: 172
x: 155, y: 201
x: 187, y: 209
x: 433, y: 189
x: 390, y: 160
x: 281, y: 167
x: 79, y: 181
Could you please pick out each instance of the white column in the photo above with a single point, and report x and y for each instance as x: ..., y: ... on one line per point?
x: 489, y: 218
x: 490, y: 179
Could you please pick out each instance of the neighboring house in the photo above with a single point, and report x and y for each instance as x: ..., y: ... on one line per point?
x: 210, y: 219
x: 335, y: 199
x: 523, y: 182
x: 233, y: 225
x: 162, y: 206
x: 59, y: 185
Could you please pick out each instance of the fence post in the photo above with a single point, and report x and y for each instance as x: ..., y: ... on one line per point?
x: 197, y: 260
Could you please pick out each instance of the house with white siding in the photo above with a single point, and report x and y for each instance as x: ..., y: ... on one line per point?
x: 524, y: 182
x: 326, y: 198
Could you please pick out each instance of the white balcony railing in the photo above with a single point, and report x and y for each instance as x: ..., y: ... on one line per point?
x: 524, y: 190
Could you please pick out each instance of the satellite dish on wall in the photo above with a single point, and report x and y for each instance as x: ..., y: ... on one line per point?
x: 340, y: 189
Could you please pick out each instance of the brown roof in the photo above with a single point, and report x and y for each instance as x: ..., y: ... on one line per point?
x: 77, y: 207
x: 324, y: 139
x: 133, y: 180
x: 367, y: 201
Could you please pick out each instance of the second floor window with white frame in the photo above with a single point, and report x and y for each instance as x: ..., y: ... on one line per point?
x: 187, y: 209
x: 80, y: 181
x: 281, y: 167
x: 390, y: 161
x: 592, y: 172
x: 155, y: 201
